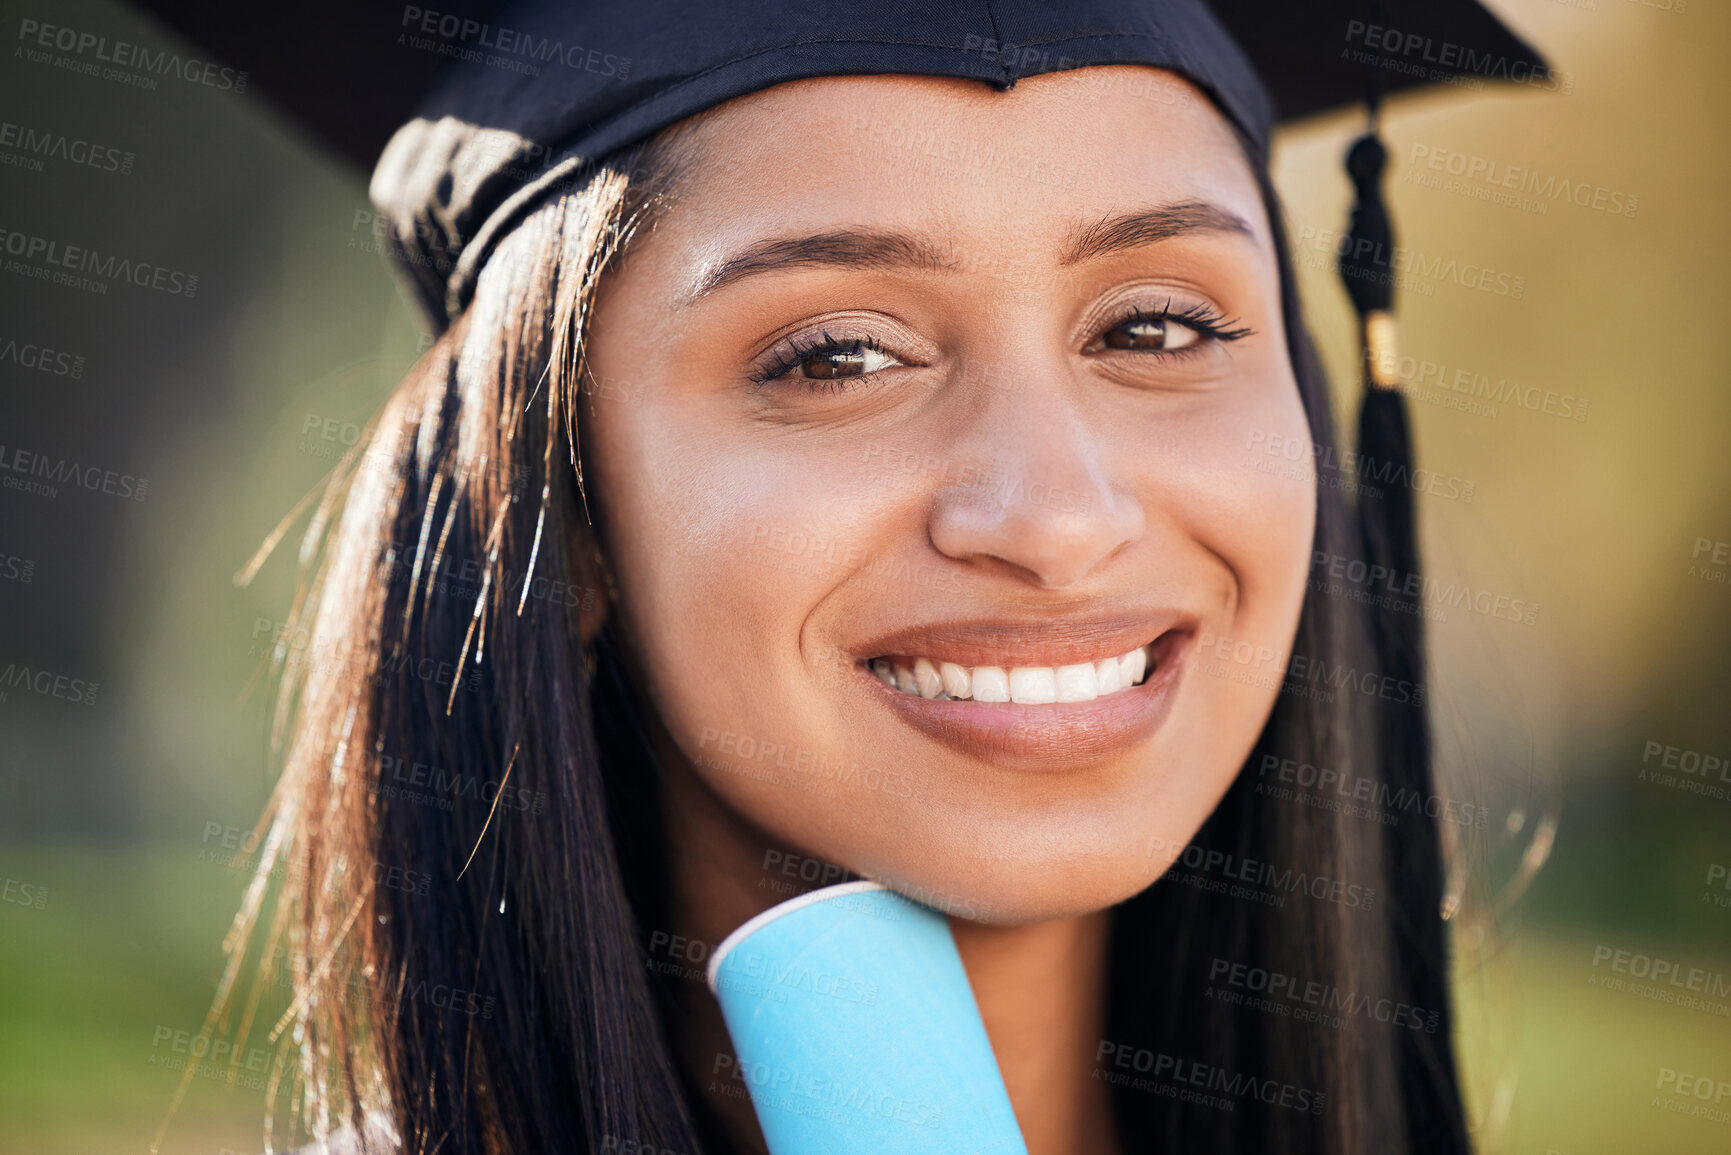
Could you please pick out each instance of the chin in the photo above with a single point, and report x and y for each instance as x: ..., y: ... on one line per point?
x: 1022, y: 889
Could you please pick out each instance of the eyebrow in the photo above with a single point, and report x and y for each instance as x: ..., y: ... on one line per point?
x: 859, y: 248
x: 1150, y: 226
x: 847, y: 248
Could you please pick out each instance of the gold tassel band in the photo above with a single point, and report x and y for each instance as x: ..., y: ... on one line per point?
x: 1382, y: 349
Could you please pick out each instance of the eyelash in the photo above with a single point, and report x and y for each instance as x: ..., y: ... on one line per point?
x: 788, y: 355
x: 1203, y: 318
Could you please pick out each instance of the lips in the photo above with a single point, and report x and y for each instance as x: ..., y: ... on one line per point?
x: 1036, y: 729
x: 1035, y: 640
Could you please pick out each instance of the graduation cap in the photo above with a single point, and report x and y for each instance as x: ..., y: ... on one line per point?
x: 480, y: 107
x: 476, y: 111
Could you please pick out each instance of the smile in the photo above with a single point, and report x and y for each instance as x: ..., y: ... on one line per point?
x: 1025, y: 685
x: 1018, y: 715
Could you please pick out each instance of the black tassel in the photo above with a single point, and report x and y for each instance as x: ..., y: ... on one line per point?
x: 1389, y: 532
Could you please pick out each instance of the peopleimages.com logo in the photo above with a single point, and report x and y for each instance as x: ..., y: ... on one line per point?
x: 1444, y: 61
x: 27, y: 146
x: 53, y: 472
x: 93, y: 54
x: 46, y: 683
x: 515, y: 50
x: 41, y: 358
x: 64, y: 261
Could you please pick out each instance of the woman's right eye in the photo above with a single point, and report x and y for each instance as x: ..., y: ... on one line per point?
x: 852, y: 361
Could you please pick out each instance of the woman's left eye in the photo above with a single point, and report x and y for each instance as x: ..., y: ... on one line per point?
x: 1151, y: 335
x: 1170, y: 330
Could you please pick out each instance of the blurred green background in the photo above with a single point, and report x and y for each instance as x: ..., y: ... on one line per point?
x: 117, y: 816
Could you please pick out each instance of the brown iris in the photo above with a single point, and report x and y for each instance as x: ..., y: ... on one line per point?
x: 1148, y: 333
x: 830, y: 363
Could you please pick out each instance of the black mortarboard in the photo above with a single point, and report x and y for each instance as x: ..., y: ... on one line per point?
x: 491, y: 103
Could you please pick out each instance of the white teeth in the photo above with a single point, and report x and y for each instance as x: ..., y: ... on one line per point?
x: 1106, y: 675
x: 1026, y: 685
x: 991, y: 684
x: 926, y: 678
x: 1078, y: 683
x: 1131, y: 666
x: 905, y: 680
x: 1033, y: 685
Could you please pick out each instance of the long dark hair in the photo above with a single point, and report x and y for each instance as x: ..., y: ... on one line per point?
x: 469, y: 818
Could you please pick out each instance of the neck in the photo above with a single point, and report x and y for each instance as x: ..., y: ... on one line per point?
x: 1040, y: 987
x: 1041, y: 991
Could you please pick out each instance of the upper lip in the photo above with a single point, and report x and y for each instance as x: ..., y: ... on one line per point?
x: 1032, y: 639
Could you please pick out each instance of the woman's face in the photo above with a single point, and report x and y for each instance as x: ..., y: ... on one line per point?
x: 918, y: 374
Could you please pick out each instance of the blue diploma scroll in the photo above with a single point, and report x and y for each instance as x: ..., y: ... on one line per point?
x: 856, y: 1030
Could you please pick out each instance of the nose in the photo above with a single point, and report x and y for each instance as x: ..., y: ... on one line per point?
x: 1049, y: 506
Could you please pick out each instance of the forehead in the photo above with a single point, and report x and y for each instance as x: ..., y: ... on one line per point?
x: 982, y: 165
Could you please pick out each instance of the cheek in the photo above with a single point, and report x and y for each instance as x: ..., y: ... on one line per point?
x: 1263, y: 510
x: 728, y: 551
x: 1254, y: 510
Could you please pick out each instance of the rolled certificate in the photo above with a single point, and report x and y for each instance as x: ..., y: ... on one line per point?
x: 857, y: 1032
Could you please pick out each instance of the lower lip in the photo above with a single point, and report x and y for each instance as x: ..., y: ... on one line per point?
x: 1051, y: 735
